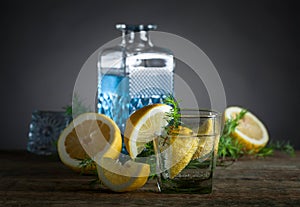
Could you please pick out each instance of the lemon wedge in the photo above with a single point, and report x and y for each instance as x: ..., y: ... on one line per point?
x: 121, y: 178
x: 143, y: 126
x: 89, y: 135
x: 180, y: 150
x: 206, y: 140
x: 251, y: 132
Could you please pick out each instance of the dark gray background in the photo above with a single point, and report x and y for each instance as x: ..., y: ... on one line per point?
x: 254, y: 45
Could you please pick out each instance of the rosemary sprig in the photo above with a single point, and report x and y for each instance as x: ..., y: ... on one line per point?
x: 148, y: 150
x: 68, y: 110
x: 263, y: 152
x: 228, y: 146
x: 87, y: 163
x: 231, y: 124
x: 173, y: 117
x: 283, y: 146
x: 77, y: 108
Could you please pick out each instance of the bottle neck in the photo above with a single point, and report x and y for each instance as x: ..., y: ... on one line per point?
x: 123, y: 43
x: 139, y: 39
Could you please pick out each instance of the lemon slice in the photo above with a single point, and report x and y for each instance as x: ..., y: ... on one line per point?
x: 143, y: 126
x: 206, y: 140
x: 120, y: 178
x: 89, y: 135
x: 250, y: 131
x: 182, y: 146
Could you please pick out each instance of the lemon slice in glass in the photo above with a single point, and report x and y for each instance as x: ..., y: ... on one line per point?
x: 179, y: 153
x: 206, y: 141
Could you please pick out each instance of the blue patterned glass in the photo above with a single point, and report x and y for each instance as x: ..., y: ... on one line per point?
x: 44, y: 130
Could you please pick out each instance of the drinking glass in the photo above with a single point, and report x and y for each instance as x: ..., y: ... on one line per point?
x: 186, y: 156
x: 44, y: 130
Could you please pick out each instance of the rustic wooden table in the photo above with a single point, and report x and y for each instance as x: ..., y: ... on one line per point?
x: 31, y: 180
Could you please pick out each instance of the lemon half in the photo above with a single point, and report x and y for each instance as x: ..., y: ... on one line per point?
x: 89, y: 135
x: 251, y: 132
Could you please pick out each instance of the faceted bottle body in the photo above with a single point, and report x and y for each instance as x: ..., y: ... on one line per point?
x: 132, y: 75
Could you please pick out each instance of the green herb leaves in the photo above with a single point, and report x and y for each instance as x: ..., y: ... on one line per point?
x: 87, y: 163
x: 173, y: 117
x: 230, y: 148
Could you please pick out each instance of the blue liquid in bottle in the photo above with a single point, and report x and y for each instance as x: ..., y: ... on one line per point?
x: 132, y: 75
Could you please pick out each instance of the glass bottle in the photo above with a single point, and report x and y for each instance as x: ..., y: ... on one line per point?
x: 133, y: 74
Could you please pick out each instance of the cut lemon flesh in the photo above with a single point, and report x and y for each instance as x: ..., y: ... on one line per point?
x: 143, y: 126
x: 206, y: 139
x: 120, y: 178
x: 89, y: 135
x: 182, y: 146
x: 250, y: 131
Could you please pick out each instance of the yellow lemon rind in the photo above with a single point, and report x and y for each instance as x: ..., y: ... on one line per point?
x: 205, y: 144
x: 181, y: 149
x: 249, y: 143
x: 134, y: 124
x: 122, y: 178
x: 111, y: 151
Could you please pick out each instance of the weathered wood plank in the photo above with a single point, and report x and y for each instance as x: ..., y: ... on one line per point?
x: 30, y: 180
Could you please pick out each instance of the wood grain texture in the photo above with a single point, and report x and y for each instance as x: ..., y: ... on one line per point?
x: 31, y: 180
